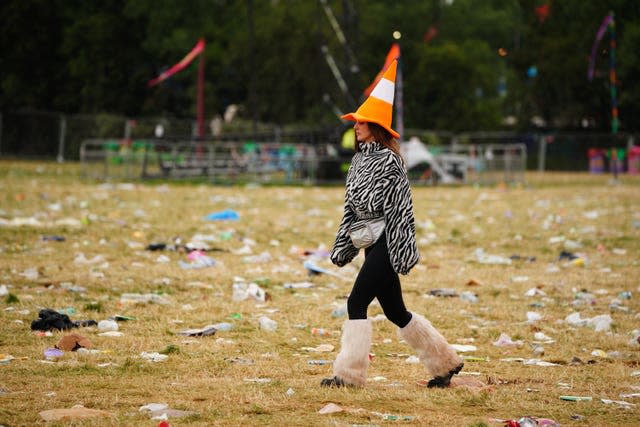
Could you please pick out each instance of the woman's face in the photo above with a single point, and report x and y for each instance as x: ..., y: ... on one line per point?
x: 363, y: 133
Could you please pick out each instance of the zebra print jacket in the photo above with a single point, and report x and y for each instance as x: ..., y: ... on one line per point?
x: 377, y: 183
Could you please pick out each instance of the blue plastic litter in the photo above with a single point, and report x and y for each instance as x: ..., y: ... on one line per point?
x: 225, y: 215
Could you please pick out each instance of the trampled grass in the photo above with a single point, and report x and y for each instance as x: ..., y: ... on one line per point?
x: 249, y: 376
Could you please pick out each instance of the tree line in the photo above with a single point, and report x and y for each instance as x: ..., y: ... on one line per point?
x: 466, y: 64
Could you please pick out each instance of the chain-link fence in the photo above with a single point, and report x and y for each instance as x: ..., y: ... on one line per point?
x: 53, y: 135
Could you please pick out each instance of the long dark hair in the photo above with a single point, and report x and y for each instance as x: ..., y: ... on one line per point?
x: 385, y: 138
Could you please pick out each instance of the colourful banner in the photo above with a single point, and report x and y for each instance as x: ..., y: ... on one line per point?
x: 592, y: 59
x: 197, y: 50
x: 394, y: 53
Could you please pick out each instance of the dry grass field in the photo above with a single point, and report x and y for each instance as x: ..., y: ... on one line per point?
x: 81, y: 247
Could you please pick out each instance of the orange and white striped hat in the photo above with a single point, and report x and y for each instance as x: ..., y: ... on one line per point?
x: 378, y: 107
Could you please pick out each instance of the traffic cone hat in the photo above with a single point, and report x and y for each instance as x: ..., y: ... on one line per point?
x: 378, y: 107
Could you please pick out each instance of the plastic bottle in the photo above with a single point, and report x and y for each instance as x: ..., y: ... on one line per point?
x: 624, y: 295
x: 223, y: 326
x: 107, y: 325
x: 320, y: 332
x: 468, y: 296
x: 268, y: 324
x: 339, y: 311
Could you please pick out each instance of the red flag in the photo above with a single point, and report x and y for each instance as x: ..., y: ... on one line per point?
x: 543, y: 12
x: 394, y: 53
x: 198, y: 48
x: 432, y: 31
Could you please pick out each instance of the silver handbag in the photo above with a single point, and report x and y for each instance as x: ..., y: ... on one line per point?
x: 366, y: 232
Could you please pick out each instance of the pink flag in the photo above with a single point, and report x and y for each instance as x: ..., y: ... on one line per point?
x: 198, y: 48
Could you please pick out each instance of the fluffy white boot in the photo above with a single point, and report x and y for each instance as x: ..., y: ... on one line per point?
x: 438, y: 357
x: 352, y: 362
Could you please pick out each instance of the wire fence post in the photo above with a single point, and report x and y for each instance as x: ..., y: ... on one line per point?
x: 542, y: 153
x: 63, y: 131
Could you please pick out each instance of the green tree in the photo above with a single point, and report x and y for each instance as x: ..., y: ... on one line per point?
x: 559, y: 47
x: 32, y: 69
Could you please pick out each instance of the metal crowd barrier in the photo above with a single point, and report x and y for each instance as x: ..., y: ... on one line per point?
x: 216, y: 161
x: 283, y: 163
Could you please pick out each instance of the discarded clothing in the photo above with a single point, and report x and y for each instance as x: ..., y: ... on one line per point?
x: 49, y: 319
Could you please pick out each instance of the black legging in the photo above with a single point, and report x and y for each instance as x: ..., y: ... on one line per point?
x: 377, y: 279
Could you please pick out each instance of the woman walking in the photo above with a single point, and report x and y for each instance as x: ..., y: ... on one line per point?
x: 378, y: 217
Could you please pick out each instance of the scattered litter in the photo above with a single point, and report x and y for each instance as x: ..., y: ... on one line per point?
x: 599, y: 323
x: 322, y: 348
x: 625, y: 295
x: 30, y: 273
x: 577, y: 398
x: 330, y: 408
x: 414, y: 360
x: 267, y: 324
x: 110, y: 334
x: 541, y: 337
x: 532, y: 362
x: 319, y: 362
x: 225, y: 215
x: 572, y: 244
x: 529, y: 422
x: 468, y: 297
x: 107, y: 325
x: 5, y: 358
x: 243, y: 291
x: 533, y: 292
x: 130, y: 298
x: 73, y: 342
x: 484, y: 258
x: 154, y: 356
x: 621, y: 403
x: 315, y: 269
x: 72, y: 288
x: 258, y: 380
x: 240, y: 361
x: 82, y: 259
x: 122, y: 318
x: 163, y: 259
x: 321, y: 332
x: 53, y: 354
x: 505, y: 341
x: 443, y: 292
x: 299, y: 285
x: 339, y: 311
x: 392, y: 417
x: 199, y: 332
x: 533, y: 317
x: 49, y: 319
x: 517, y: 257
x: 264, y: 257
x: 461, y: 348
x: 629, y: 395
x: 599, y: 353
x: 162, y: 411
x: 198, y: 259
